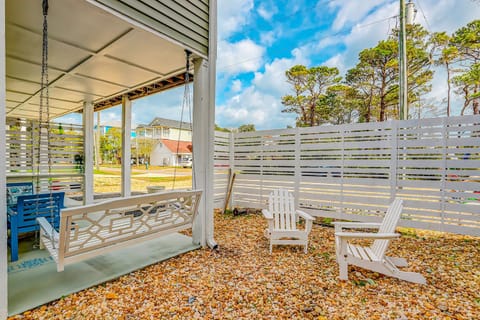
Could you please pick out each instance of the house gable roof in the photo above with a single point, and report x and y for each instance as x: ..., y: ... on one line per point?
x: 168, y: 123
x: 183, y: 146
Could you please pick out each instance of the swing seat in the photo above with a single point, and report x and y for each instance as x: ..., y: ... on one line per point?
x: 91, y: 230
x: 21, y: 217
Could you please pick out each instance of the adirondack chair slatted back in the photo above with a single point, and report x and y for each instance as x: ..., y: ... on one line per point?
x: 390, y: 221
x: 31, y: 207
x: 282, y: 206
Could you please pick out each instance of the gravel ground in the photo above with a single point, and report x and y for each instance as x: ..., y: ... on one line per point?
x: 243, y: 281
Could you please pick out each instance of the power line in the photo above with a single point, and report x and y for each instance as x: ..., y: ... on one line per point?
x: 424, y: 16
x: 305, y: 29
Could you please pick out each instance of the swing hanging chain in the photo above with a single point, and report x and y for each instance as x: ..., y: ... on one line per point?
x: 44, y: 122
x: 186, y: 100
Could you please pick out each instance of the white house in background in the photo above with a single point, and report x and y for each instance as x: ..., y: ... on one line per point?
x: 171, y: 153
x: 161, y: 128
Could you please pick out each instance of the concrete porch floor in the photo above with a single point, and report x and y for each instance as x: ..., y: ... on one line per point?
x: 33, y: 280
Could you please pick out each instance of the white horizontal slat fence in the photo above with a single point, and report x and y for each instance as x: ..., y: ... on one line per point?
x: 49, y: 159
x: 354, y: 171
x: 222, y: 149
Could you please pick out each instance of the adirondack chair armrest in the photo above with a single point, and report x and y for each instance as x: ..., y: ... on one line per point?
x: 366, y: 235
x: 305, y: 215
x: 47, y: 229
x: 10, y: 211
x: 267, y: 214
x: 339, y: 225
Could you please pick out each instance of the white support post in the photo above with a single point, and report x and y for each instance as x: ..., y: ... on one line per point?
x: 88, y: 145
x: 231, y: 162
x: 126, y: 145
x: 203, y: 138
x: 97, y: 143
x: 203, y: 134
x: 3, y: 180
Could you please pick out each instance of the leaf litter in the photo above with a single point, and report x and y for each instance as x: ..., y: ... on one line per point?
x: 241, y: 280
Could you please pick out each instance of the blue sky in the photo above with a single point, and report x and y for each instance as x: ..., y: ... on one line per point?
x: 259, y: 40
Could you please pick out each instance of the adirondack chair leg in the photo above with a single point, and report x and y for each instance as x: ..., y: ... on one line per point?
x: 271, y: 248
x: 41, y: 246
x: 343, y: 269
x: 410, y: 277
x: 13, y: 240
x: 306, y: 247
x: 396, y: 273
x: 399, y: 262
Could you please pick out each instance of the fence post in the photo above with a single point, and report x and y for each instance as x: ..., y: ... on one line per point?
x: 342, y: 173
x: 231, y: 163
x: 262, y: 155
x: 393, y: 159
x: 297, y: 173
x: 444, y: 171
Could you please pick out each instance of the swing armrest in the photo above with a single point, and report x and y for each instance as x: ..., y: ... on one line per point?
x: 267, y: 214
x: 47, y: 229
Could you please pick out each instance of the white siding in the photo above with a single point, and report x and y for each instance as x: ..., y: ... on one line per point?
x: 183, y: 21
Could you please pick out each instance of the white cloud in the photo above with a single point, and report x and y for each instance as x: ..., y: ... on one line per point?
x: 338, y: 62
x: 236, y: 85
x: 71, y: 118
x: 446, y: 15
x: 267, y: 11
x: 351, y: 11
x: 252, y: 106
x: 273, y: 80
x: 242, y: 56
x: 232, y: 16
x: 260, y: 104
x: 267, y: 38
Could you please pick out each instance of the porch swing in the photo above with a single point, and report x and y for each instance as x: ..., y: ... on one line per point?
x: 24, y: 206
x: 95, y: 229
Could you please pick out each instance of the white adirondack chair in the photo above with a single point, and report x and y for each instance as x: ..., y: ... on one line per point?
x: 373, y: 257
x: 282, y: 220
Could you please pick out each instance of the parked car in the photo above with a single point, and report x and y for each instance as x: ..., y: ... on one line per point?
x: 187, y: 163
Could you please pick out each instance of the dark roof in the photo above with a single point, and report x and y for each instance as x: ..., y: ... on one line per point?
x: 162, y: 122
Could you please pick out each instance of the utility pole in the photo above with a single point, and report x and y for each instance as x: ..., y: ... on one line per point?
x: 402, y: 43
x: 406, y: 17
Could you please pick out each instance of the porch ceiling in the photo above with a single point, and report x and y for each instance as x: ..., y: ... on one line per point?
x: 93, y: 56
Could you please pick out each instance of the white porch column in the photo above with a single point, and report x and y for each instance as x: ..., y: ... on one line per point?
x: 126, y: 145
x: 203, y: 134
x: 3, y: 204
x: 203, y: 137
x: 88, y: 145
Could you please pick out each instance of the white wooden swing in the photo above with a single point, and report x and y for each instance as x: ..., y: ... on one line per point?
x: 91, y: 230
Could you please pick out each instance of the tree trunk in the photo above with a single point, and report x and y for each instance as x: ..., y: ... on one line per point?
x: 475, y: 104
x: 368, y: 116
x: 448, y: 89
x: 466, y: 102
